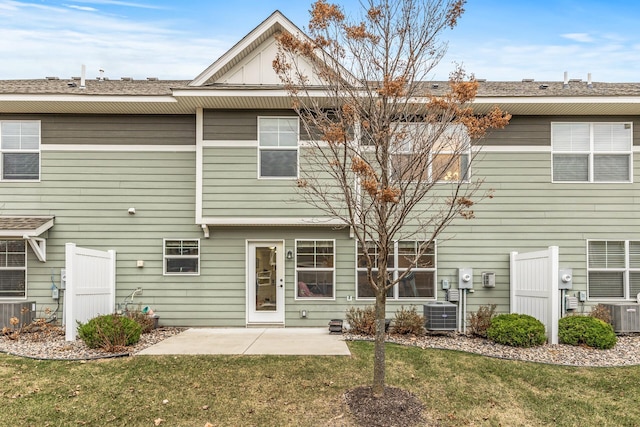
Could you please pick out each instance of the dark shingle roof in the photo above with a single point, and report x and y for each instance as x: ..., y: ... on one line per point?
x: 164, y: 87
x: 93, y: 87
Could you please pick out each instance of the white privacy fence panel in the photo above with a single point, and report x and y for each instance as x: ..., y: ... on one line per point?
x: 90, y: 286
x: 534, y: 291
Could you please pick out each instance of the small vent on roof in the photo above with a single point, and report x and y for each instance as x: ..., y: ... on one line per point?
x: 126, y: 79
x: 543, y: 86
x: 152, y: 79
x: 72, y: 84
x: 575, y: 80
x: 435, y: 86
x: 52, y: 78
x: 527, y: 80
x: 481, y: 80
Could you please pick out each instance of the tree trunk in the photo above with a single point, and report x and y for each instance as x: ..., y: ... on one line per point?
x: 379, y: 351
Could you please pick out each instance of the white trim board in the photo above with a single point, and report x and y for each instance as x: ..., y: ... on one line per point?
x: 104, y: 147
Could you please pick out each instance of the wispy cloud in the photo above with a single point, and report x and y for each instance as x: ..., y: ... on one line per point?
x: 579, y: 37
x: 58, y: 40
x: 83, y: 8
x: 120, y: 3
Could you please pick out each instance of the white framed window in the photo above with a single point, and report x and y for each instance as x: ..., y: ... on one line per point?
x: 20, y: 150
x: 181, y: 256
x: 278, y: 147
x: 315, y: 269
x: 592, y: 152
x: 420, y: 283
x: 613, y: 269
x: 13, y: 269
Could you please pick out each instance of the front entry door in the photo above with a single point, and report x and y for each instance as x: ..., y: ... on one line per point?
x: 265, y: 282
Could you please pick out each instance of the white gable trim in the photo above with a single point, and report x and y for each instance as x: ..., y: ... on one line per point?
x: 267, y: 25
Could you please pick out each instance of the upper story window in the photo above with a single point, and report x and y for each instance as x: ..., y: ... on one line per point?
x: 420, y: 282
x: 13, y: 269
x: 278, y: 147
x: 20, y: 150
x: 592, y: 152
x: 444, y: 160
x: 315, y: 268
x: 613, y: 269
x: 181, y: 257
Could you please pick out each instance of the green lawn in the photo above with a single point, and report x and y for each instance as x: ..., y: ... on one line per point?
x: 456, y: 388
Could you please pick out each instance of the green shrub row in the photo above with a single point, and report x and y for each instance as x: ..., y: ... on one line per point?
x: 110, y: 332
x: 516, y: 330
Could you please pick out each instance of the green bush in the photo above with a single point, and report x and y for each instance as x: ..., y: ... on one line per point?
x: 362, y: 320
x: 516, y: 330
x: 408, y: 321
x: 110, y: 332
x: 479, y: 322
x: 586, y: 330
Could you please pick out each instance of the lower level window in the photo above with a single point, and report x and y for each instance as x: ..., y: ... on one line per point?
x: 614, y: 269
x: 315, y: 268
x: 13, y: 269
x: 420, y: 282
x: 181, y: 256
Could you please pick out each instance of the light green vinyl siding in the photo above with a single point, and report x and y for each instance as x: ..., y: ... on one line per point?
x: 231, y: 188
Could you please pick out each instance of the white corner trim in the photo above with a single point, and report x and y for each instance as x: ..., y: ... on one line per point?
x: 199, y: 165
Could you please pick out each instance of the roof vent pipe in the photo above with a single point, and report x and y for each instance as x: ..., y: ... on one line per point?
x: 589, y: 82
x: 565, y: 85
x: 83, y: 76
x: 101, y: 78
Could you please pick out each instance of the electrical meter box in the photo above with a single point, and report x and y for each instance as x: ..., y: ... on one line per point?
x: 565, y: 278
x: 465, y: 278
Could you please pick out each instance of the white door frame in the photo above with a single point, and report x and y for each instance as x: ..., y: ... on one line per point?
x: 255, y: 315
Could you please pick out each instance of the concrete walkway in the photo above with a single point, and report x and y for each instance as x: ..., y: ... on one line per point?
x: 285, y: 341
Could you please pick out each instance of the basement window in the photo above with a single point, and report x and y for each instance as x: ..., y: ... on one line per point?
x: 13, y: 269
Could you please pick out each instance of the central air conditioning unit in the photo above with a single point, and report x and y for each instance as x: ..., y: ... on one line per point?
x: 624, y: 317
x: 24, y: 311
x: 440, y: 316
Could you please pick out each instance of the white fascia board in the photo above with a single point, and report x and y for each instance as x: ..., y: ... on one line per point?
x: 88, y: 98
x: 234, y: 93
x: 247, y: 221
x: 557, y: 100
x: 275, y: 18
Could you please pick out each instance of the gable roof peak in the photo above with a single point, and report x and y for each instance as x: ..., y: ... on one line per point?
x: 275, y: 23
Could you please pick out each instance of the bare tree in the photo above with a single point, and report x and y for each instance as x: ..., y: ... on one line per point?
x: 390, y: 154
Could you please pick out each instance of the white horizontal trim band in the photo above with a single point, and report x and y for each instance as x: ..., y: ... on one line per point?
x: 272, y: 221
x: 102, y: 147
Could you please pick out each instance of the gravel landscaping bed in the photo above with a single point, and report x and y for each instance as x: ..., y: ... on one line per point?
x: 625, y: 353
x: 54, y: 346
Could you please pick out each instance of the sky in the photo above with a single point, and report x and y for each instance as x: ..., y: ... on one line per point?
x: 494, y: 40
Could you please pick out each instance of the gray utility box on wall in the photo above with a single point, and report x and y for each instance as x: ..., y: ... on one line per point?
x: 624, y: 317
x: 440, y: 316
x: 24, y: 311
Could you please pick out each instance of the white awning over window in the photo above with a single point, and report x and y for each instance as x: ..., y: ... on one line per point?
x: 28, y: 228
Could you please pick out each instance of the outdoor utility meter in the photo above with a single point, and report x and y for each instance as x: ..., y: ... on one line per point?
x: 465, y: 278
x: 565, y: 278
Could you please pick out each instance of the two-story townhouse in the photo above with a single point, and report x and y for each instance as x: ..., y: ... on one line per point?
x: 192, y: 184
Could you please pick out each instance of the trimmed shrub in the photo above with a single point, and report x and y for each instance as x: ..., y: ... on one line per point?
x: 586, y: 330
x: 480, y: 321
x: 147, y: 323
x: 601, y: 312
x: 362, y: 320
x: 516, y: 330
x: 110, y: 332
x: 408, y: 321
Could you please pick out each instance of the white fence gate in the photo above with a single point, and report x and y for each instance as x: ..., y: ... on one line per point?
x: 534, y: 288
x: 90, y: 286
